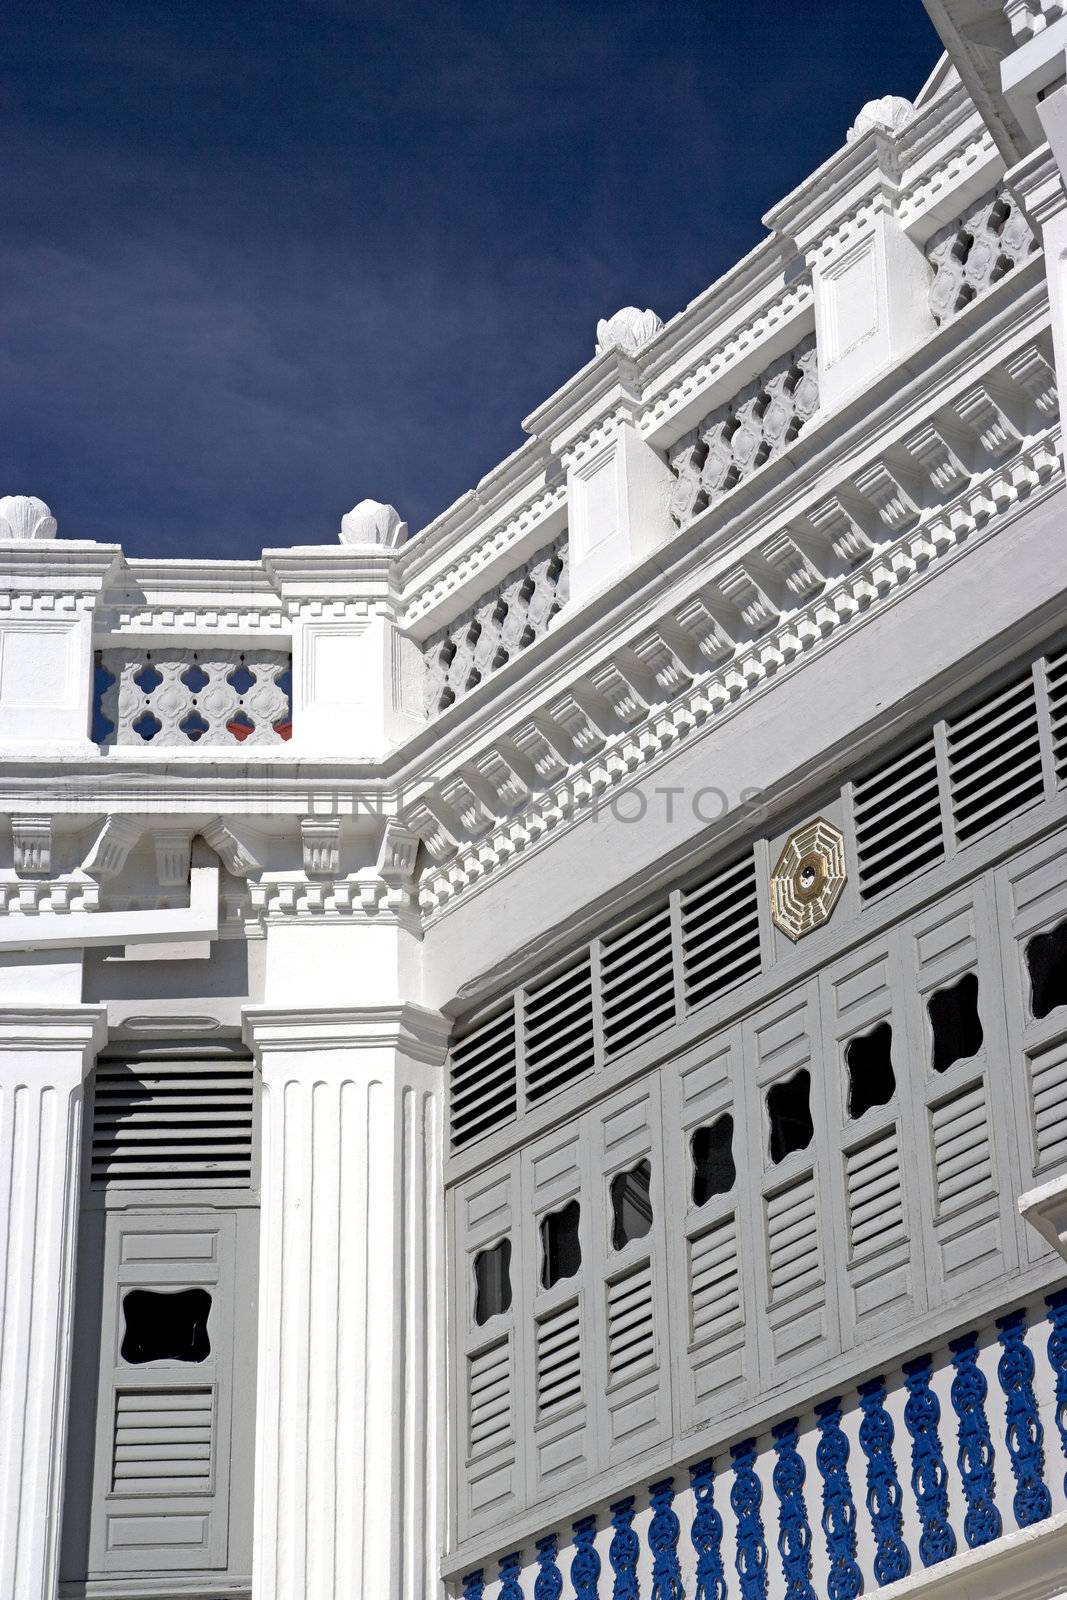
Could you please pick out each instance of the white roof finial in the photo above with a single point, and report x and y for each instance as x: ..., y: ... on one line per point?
x: 889, y: 113
x: 23, y: 516
x: 370, y: 522
x: 627, y: 330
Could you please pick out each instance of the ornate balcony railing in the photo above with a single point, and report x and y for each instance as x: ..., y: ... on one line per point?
x: 503, y: 622
x: 946, y: 1455
x: 737, y: 438
x: 973, y: 253
x: 171, y: 696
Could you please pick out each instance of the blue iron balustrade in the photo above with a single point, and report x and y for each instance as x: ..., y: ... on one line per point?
x: 960, y: 1447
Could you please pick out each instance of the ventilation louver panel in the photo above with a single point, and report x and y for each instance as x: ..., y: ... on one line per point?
x: 631, y: 1327
x: 720, y: 932
x: 162, y: 1441
x: 1057, y: 695
x: 637, y: 982
x: 994, y: 758
x: 875, y: 1200
x: 898, y: 820
x: 963, y: 1160
x: 793, y: 1238
x: 714, y: 1280
x: 1048, y: 1074
x: 489, y: 1388
x: 559, y: 1360
x: 558, y: 1031
x: 174, y: 1122
x: 482, y: 1087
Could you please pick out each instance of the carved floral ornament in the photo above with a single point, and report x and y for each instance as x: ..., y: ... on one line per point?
x: 24, y: 517
x: 627, y: 330
x: 808, y: 878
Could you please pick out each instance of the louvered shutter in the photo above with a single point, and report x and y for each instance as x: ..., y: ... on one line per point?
x: 631, y: 1313
x: 482, y: 1079
x: 160, y: 1463
x: 882, y: 1282
x: 1032, y: 900
x: 172, y: 1124
x: 488, y: 1373
x: 799, y: 1322
x: 970, y: 1192
x: 637, y: 982
x: 1056, y: 679
x: 161, y: 1484
x: 720, y: 934
x: 711, y: 1315
x: 557, y: 1030
x: 897, y: 817
x: 557, y: 1319
x: 994, y: 758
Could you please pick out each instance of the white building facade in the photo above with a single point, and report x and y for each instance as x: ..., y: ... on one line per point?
x: 533, y: 1056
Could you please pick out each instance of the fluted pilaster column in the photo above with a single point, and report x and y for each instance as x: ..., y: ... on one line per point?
x: 350, y: 1386
x: 45, y: 1052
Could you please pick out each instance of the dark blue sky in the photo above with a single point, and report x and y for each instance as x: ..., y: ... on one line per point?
x: 259, y: 260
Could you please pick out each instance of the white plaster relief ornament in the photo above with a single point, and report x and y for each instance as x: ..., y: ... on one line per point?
x: 370, y: 522
x: 628, y: 330
x: 24, y: 517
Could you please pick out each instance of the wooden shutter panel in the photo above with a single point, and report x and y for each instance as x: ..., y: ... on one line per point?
x: 161, y: 1482
x: 882, y: 1280
x: 969, y: 1192
x: 558, y: 1346
x: 487, y: 1375
x: 631, y: 1314
x: 710, y: 1257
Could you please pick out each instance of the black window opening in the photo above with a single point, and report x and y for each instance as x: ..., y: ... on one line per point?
x: 631, y: 1205
x: 714, y: 1171
x: 165, y: 1325
x: 492, y: 1282
x: 955, y: 1023
x: 789, y: 1112
x: 871, y: 1079
x: 561, y: 1246
x: 1046, y: 961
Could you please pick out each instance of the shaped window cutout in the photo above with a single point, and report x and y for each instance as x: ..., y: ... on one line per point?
x: 631, y: 1205
x: 102, y: 681
x: 789, y: 1111
x: 147, y: 725
x: 561, y: 1247
x: 165, y: 1325
x: 241, y: 679
x: 871, y: 1079
x: 1046, y: 960
x: 714, y: 1171
x: 194, y: 726
x: 240, y: 725
x: 148, y: 679
x: 195, y: 678
x: 492, y: 1282
x: 956, y: 1025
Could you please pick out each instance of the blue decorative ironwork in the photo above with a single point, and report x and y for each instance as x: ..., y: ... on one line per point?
x: 929, y: 1475
x: 974, y: 1457
x: 707, y: 1534
x: 891, y: 1561
x: 585, y: 1567
x: 1024, y: 1435
x: 510, y: 1587
x: 548, y: 1585
x: 794, y: 1534
x: 746, y: 1497
x: 663, y: 1533
x: 838, y: 1507
x: 624, y: 1550
x: 473, y: 1585
x: 1057, y: 1354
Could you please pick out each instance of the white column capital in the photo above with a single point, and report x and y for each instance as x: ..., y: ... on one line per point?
x: 415, y: 1031
x: 54, y: 1029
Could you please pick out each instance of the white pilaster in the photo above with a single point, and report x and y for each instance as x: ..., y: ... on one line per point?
x: 350, y: 1388
x: 45, y: 1052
